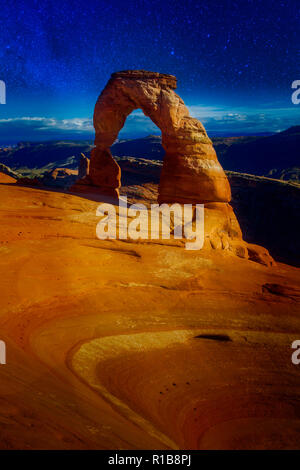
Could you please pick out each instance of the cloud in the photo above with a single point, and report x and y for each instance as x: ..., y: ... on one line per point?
x: 225, y: 120
x: 245, y: 120
x: 217, y: 121
x: 42, y: 123
x: 37, y: 128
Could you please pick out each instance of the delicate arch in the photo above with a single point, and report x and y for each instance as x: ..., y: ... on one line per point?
x: 191, y: 172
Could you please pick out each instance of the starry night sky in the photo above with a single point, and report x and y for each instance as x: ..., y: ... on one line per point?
x: 234, y: 61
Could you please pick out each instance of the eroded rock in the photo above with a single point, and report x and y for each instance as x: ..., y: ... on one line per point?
x: 84, y: 166
x: 191, y: 172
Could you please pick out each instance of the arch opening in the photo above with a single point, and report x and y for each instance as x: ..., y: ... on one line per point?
x: 138, y: 151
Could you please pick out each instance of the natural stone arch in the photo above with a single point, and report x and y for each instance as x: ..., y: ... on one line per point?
x: 191, y: 172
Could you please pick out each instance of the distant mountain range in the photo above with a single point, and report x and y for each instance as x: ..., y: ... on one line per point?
x: 145, y: 147
x: 44, y: 155
x: 276, y: 156
x: 260, y: 156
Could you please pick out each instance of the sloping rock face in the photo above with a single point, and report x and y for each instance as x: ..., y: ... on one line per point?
x: 209, y: 368
x: 8, y: 171
x: 191, y: 172
x: 6, y: 179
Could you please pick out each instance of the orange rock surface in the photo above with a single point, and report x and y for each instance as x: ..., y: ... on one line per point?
x: 6, y: 178
x: 138, y: 345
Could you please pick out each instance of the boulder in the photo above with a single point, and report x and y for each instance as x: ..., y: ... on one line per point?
x: 60, y: 177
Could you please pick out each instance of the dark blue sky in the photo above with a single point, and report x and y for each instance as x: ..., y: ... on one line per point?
x: 234, y: 60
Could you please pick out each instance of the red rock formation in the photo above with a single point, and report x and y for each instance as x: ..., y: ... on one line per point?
x: 62, y: 173
x: 84, y: 166
x: 60, y: 177
x: 191, y: 171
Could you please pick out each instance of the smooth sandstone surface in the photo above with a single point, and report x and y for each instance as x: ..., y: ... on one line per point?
x: 139, y: 345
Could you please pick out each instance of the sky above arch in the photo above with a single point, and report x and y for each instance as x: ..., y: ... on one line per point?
x: 235, y: 62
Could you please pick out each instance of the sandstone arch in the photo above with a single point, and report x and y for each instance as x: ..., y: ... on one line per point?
x: 191, y: 172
